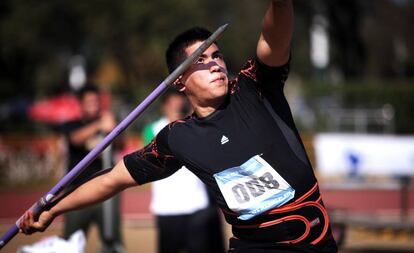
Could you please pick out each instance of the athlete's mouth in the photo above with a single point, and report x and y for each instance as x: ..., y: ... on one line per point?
x: 218, y: 79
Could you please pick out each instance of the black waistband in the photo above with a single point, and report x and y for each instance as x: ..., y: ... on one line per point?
x: 304, y: 220
x: 243, y: 246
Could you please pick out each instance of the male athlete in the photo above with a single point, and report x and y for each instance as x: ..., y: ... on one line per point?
x: 241, y: 142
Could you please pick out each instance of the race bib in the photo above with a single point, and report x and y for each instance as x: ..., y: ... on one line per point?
x: 253, y: 188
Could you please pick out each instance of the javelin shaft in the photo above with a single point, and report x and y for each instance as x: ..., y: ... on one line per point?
x: 37, y: 208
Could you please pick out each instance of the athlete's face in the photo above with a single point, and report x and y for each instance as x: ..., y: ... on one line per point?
x: 206, y: 82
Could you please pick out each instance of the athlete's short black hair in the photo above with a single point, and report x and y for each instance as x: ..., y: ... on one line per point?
x: 176, y: 50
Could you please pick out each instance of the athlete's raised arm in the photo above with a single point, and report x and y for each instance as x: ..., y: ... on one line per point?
x: 273, y: 47
x: 93, y: 191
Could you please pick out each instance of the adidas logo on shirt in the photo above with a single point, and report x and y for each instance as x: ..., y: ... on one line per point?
x: 224, y: 140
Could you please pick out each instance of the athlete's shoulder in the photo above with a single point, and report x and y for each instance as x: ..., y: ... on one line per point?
x: 263, y: 75
x: 173, y: 134
x: 248, y: 70
x: 255, y: 69
x: 174, y: 126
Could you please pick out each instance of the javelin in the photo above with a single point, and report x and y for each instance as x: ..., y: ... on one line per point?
x: 40, y: 205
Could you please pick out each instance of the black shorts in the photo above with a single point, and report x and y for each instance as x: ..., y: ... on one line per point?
x: 243, y: 246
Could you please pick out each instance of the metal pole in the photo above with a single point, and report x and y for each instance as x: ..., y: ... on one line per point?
x: 107, y: 207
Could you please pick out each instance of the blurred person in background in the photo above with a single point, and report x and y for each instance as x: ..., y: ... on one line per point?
x: 82, y: 136
x: 185, y: 215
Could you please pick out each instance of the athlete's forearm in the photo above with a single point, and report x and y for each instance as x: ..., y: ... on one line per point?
x: 95, y: 190
x: 277, y: 28
x: 89, y: 193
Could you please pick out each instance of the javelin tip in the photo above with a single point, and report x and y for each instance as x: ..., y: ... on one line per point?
x: 223, y: 27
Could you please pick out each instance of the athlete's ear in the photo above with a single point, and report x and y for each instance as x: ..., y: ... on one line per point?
x: 179, y: 85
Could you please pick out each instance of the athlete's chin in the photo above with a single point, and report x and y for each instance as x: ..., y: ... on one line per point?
x: 220, y: 85
x: 221, y: 89
x: 221, y: 95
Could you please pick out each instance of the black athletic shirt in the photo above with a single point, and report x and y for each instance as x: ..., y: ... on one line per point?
x: 242, y: 129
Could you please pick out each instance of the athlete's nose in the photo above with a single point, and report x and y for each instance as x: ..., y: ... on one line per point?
x: 214, y: 66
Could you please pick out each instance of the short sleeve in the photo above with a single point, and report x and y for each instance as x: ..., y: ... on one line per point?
x: 155, y: 161
x: 266, y: 78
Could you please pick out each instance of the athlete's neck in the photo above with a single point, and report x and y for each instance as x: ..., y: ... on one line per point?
x: 205, y: 111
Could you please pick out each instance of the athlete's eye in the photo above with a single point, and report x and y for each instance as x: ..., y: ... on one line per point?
x: 218, y: 56
x: 200, y: 60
